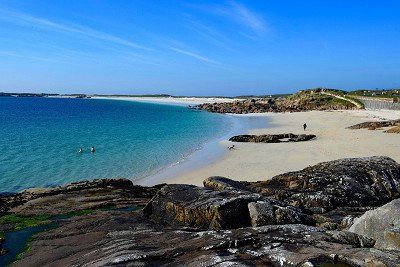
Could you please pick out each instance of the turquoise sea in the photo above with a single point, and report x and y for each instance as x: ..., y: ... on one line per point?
x: 40, y: 138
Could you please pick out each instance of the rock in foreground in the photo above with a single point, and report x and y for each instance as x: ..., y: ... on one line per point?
x: 355, y: 182
x: 269, y: 223
x: 197, y: 207
x: 120, y: 239
x: 381, y: 224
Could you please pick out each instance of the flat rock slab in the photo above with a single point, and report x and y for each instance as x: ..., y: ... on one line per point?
x: 77, y: 196
x: 123, y: 239
x: 273, y: 138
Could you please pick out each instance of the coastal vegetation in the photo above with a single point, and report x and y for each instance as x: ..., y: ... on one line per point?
x: 23, y: 221
x: 305, y: 100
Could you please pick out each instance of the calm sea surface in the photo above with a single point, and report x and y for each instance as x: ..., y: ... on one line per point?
x: 40, y: 138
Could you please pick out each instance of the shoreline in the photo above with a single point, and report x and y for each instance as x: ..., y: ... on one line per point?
x: 210, y: 152
x: 253, y: 162
x: 258, y: 161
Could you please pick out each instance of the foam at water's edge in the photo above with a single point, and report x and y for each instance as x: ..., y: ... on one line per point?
x: 208, y: 153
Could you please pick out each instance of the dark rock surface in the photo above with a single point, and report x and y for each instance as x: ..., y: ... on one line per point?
x: 196, y: 207
x: 381, y: 224
x: 340, y: 188
x: 273, y: 138
x: 379, y: 125
x: 224, y: 223
x: 373, y: 125
x: 77, y: 196
x: 356, y: 182
x: 131, y: 240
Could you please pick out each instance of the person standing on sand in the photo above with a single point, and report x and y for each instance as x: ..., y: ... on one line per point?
x: 304, y: 126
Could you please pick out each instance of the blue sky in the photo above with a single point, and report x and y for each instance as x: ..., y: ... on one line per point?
x: 198, y: 47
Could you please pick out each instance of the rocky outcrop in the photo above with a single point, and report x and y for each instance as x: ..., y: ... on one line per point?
x: 223, y: 183
x: 357, y: 182
x: 302, y: 101
x: 273, y: 138
x: 268, y: 223
x: 77, y: 196
x: 381, y: 224
x: 131, y: 240
x: 379, y: 125
x: 340, y: 190
x: 196, y: 207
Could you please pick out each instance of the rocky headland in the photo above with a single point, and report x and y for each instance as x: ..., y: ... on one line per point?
x: 301, y: 101
x: 299, y: 218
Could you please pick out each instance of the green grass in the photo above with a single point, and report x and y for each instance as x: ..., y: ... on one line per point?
x: 21, y: 222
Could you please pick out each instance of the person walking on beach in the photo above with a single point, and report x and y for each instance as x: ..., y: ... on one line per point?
x: 92, y: 150
x: 304, y: 126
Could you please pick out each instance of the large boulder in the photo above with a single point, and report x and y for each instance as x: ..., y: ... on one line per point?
x: 192, y: 206
x: 202, y: 208
x: 354, y: 182
x: 381, y: 224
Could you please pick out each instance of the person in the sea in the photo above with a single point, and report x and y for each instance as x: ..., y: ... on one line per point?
x: 92, y: 150
x: 80, y: 150
x: 304, y: 126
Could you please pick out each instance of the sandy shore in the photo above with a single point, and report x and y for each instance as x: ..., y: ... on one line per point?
x: 252, y: 162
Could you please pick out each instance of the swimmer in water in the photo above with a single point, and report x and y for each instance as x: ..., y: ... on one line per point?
x: 92, y: 149
x: 80, y: 150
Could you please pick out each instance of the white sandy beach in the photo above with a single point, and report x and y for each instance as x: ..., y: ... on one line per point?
x: 253, y: 162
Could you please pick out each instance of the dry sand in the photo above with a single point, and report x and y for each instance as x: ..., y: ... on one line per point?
x: 253, y: 162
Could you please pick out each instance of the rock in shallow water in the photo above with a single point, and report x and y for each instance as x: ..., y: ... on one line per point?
x: 273, y: 138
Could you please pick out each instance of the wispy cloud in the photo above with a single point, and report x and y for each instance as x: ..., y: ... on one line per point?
x: 247, y: 17
x: 30, y: 57
x: 210, y: 34
x: 20, y: 18
x: 193, y: 55
x: 239, y: 13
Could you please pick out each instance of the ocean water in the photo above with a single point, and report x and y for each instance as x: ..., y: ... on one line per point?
x: 40, y: 138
